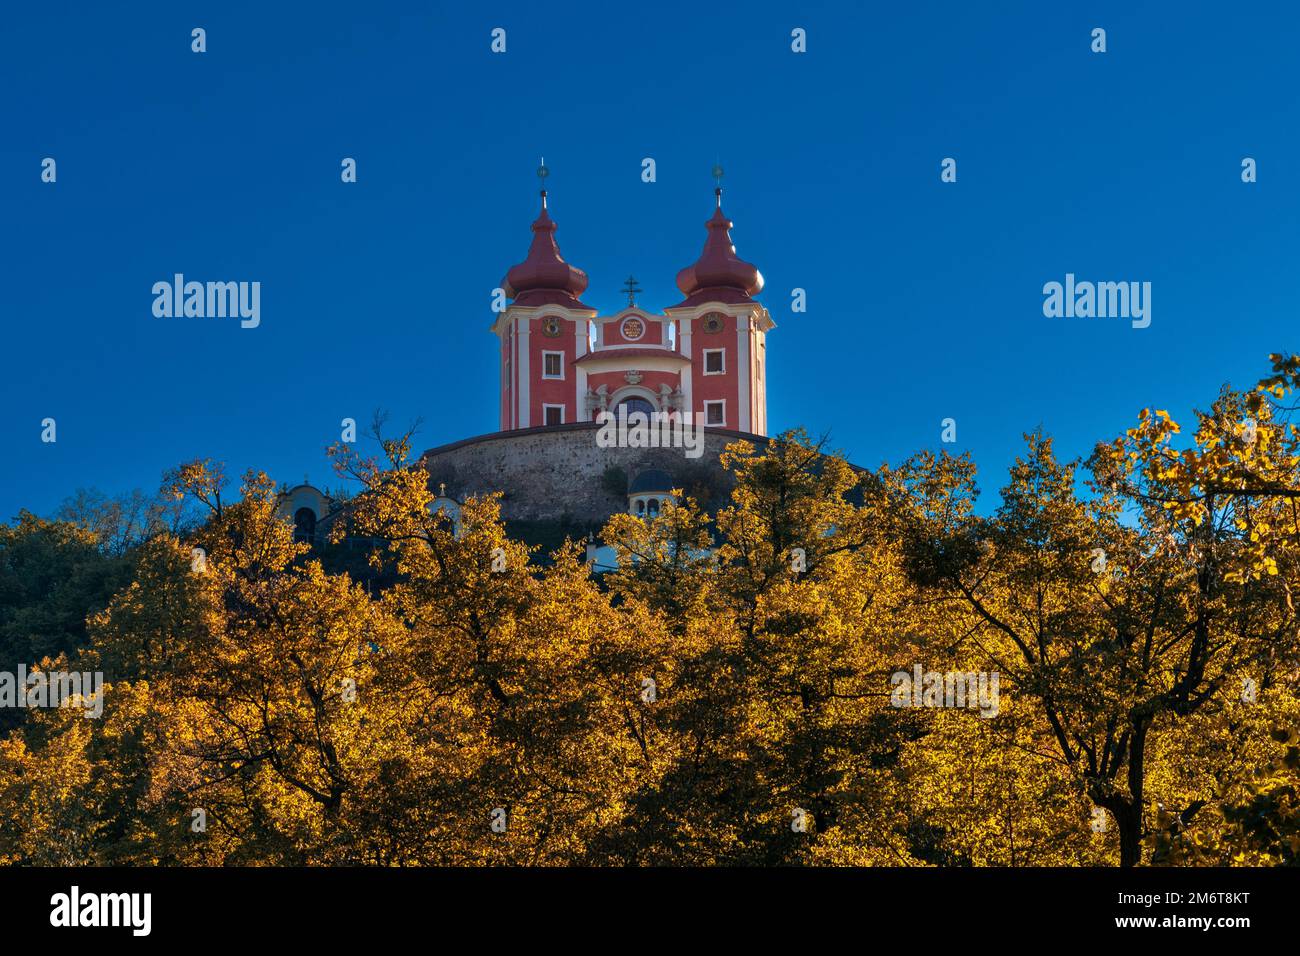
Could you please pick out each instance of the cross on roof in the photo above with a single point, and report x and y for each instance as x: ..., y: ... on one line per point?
x: 632, y: 289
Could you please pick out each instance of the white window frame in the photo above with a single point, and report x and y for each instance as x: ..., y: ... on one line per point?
x: 553, y: 378
x: 546, y: 406
x: 718, y: 401
x: 706, y: 353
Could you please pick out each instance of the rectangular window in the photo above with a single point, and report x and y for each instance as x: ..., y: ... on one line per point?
x: 552, y: 365
x: 714, y: 361
x: 715, y: 413
x: 553, y: 414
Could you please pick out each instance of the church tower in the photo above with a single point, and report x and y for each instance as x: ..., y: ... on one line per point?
x: 542, y: 333
x: 722, y: 331
x: 705, y: 356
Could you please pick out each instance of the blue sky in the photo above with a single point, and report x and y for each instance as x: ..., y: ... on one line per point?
x: 924, y: 298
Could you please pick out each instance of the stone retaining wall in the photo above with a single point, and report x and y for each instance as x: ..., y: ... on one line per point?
x: 558, y: 472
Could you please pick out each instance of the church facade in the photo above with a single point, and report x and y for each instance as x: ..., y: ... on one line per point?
x: 561, y: 362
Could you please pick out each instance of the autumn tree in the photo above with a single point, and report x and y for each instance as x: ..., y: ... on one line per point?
x: 723, y: 697
x: 779, y: 704
x: 529, y: 684
x: 1124, y: 613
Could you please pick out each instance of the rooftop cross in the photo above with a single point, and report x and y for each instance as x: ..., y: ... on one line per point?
x: 632, y: 289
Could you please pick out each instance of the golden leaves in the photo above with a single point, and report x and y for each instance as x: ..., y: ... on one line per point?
x: 734, y: 668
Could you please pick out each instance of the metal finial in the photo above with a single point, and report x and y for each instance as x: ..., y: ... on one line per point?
x: 717, y: 176
x: 542, y: 173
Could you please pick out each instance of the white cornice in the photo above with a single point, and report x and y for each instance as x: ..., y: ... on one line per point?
x: 533, y: 311
x: 762, y: 319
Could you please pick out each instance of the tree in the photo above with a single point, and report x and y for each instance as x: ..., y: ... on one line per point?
x: 52, y: 574
x: 726, y: 696
x: 1124, y: 613
x: 783, y: 737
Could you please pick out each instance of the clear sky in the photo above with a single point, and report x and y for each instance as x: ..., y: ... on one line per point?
x: 924, y: 298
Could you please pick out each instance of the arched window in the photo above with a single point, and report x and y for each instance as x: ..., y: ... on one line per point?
x: 304, y: 524
x: 640, y: 506
x: 635, y: 403
x: 653, y: 508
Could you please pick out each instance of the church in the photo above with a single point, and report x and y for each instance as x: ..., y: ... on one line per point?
x: 562, y: 364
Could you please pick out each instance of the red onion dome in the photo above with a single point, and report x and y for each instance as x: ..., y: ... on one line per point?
x: 544, y: 278
x: 719, y: 275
